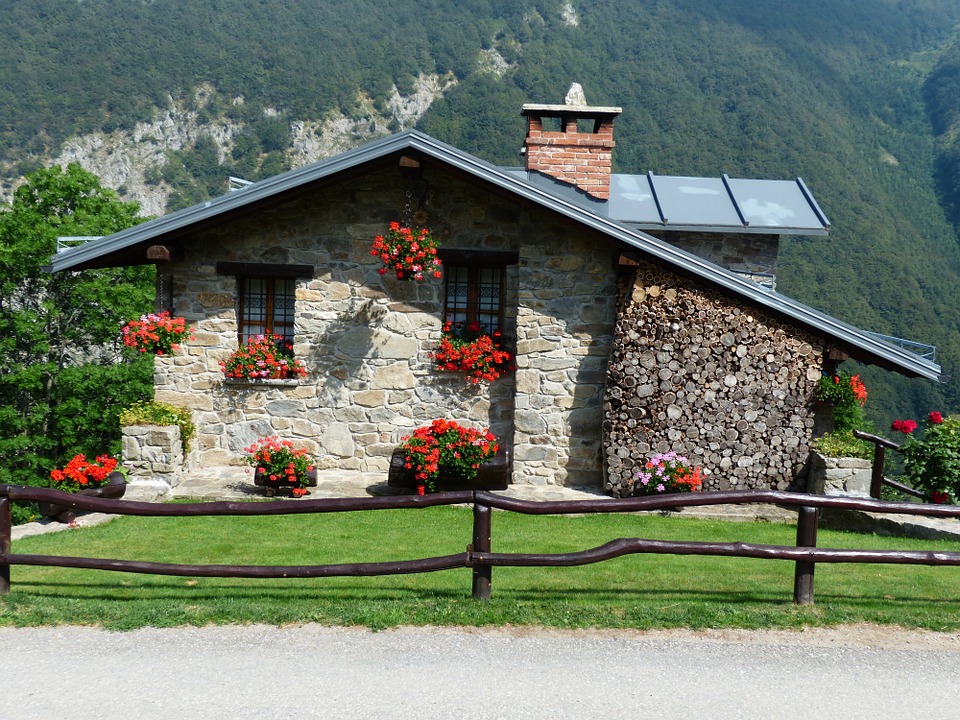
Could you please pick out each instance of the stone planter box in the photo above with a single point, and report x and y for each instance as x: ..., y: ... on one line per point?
x: 492, y: 475
x: 848, y: 477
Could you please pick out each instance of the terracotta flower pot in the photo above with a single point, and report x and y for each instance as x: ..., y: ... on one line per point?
x: 113, y: 489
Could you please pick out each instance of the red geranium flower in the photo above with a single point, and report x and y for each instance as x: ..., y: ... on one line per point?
x: 409, y: 253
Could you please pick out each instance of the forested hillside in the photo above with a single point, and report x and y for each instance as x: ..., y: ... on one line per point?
x: 861, y: 98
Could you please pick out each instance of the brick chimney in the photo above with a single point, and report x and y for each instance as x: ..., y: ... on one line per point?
x: 580, y: 151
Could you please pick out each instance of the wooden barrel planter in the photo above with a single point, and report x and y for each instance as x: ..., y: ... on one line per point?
x: 274, y: 487
x: 113, y: 489
x: 492, y: 475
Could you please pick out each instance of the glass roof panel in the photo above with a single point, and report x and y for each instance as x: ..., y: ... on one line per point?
x: 695, y: 201
x: 774, y: 203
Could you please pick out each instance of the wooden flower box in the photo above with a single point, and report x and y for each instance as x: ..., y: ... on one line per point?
x: 492, y: 475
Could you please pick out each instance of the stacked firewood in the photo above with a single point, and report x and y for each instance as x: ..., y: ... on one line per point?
x: 710, y: 378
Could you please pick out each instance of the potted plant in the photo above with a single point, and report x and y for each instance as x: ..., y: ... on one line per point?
x: 466, y: 348
x: 847, y: 395
x: 99, y: 478
x: 280, y: 467
x: 264, y: 358
x: 409, y: 253
x: 667, y: 473
x: 446, y: 455
x: 159, y: 334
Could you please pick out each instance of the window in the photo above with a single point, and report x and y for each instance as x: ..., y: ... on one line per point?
x: 474, y: 287
x: 474, y: 294
x: 266, y: 307
x: 266, y: 296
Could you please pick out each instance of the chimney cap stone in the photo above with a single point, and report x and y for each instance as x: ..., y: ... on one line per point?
x: 575, y: 103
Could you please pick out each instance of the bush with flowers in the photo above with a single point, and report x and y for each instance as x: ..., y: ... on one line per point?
x: 410, y: 253
x: 445, y: 447
x: 667, y: 473
x: 155, y: 333
x: 81, y: 473
x: 932, y: 463
x: 264, y: 358
x: 280, y: 463
x: 468, y: 349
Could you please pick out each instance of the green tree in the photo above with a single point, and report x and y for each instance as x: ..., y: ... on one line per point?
x: 61, y: 380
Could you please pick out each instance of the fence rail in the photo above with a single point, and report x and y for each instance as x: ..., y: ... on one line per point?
x: 478, y: 554
x: 877, y: 479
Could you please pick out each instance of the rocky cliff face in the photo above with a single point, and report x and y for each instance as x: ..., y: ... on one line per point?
x: 130, y: 161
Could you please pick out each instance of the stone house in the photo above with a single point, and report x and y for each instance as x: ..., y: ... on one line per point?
x: 640, y: 309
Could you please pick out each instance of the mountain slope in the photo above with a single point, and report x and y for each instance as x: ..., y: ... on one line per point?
x: 855, y: 96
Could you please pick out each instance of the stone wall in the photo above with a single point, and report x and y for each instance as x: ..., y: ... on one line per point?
x: 567, y: 301
x: 718, y: 381
x: 365, y: 338
x: 750, y: 255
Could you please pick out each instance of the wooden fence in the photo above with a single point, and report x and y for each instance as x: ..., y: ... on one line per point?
x: 479, y: 554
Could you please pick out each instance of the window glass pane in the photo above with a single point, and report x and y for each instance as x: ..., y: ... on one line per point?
x: 488, y: 299
x: 253, y: 313
x: 458, y: 293
x: 284, y: 290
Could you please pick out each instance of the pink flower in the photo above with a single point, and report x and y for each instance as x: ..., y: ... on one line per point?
x: 935, y: 417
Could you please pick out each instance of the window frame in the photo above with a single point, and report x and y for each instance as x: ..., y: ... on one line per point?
x: 270, y: 273
x: 476, y: 262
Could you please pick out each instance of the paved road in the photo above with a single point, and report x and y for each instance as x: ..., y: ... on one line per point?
x: 316, y: 672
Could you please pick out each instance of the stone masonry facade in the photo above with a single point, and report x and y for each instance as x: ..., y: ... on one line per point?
x: 366, y: 338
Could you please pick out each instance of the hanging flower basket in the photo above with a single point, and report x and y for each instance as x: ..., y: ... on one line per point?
x: 471, y: 351
x: 158, y: 334
x: 410, y: 253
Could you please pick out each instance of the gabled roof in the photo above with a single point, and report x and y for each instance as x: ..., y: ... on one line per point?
x: 117, y: 249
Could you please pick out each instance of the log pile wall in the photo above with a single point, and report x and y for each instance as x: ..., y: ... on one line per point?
x: 717, y: 381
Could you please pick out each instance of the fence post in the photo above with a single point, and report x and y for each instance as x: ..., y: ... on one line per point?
x: 6, y: 533
x: 876, y: 479
x: 803, y: 574
x: 482, y: 574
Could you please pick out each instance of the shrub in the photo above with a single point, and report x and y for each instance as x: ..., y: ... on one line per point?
x: 151, y: 412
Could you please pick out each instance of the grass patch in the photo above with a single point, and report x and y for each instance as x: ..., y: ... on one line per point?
x: 641, y: 591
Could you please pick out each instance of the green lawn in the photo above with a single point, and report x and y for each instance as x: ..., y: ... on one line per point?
x: 640, y: 591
